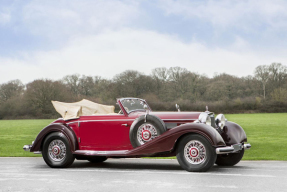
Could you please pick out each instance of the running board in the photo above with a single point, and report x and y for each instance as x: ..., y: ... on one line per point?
x: 100, y: 153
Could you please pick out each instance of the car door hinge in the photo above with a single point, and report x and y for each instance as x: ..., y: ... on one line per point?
x: 78, y: 123
x: 79, y: 139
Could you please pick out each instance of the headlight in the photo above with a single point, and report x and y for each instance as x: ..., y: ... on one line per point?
x: 220, y: 121
x: 204, y: 118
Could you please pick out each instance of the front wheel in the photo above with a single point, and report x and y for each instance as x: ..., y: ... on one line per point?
x: 229, y: 159
x: 56, y: 151
x: 195, y: 153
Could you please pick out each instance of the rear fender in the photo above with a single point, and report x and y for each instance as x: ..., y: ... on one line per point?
x: 55, y: 127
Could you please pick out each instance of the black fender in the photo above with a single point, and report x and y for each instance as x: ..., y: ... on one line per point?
x: 233, y: 133
x: 55, y: 127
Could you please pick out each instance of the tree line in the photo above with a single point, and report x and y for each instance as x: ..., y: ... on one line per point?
x: 264, y: 91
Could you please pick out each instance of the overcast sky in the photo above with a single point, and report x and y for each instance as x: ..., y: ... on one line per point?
x: 54, y: 38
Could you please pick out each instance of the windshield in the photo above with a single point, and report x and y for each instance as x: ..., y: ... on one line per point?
x: 133, y: 104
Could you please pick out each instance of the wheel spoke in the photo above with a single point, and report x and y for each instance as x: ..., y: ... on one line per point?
x: 195, y: 152
x: 146, y: 132
x: 57, y: 150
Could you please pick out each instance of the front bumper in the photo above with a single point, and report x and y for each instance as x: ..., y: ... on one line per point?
x: 28, y: 148
x: 232, y: 148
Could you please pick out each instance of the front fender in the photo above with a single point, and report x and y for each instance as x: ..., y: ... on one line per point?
x: 167, y: 141
x: 55, y: 127
x: 234, y: 134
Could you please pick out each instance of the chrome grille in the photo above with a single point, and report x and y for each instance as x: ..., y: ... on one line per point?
x: 212, y: 120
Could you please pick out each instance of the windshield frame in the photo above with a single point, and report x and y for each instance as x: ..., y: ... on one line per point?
x: 122, y: 100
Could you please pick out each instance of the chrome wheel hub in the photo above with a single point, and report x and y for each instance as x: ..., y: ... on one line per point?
x: 57, y: 150
x: 146, y: 132
x: 194, y: 152
x: 146, y: 135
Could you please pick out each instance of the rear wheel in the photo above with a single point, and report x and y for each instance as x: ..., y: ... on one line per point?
x: 56, y: 151
x: 229, y: 159
x: 195, y: 153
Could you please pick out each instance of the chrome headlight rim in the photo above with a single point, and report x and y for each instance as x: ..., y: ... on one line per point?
x: 220, y: 121
x: 204, y: 118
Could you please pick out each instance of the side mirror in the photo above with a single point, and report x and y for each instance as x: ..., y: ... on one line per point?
x: 177, y: 107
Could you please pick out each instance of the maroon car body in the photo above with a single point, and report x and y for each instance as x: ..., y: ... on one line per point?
x: 98, y: 137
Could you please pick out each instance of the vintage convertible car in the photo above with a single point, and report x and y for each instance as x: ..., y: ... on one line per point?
x: 90, y: 131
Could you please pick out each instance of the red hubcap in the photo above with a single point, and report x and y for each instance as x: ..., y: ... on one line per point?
x: 193, y: 152
x: 56, y: 150
x: 146, y: 135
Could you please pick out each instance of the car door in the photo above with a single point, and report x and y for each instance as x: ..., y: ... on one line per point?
x: 105, y: 132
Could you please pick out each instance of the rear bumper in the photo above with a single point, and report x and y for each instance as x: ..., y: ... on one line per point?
x: 233, y: 148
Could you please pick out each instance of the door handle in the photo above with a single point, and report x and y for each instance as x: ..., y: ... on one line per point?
x: 125, y: 125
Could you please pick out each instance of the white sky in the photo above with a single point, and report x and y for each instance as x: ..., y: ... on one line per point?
x: 51, y: 39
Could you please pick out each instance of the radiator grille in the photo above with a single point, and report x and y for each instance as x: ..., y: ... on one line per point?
x: 212, y: 120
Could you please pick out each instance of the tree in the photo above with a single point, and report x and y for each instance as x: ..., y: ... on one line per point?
x: 160, y: 73
x: 126, y: 84
x: 279, y: 95
x: 40, y: 93
x: 72, y: 83
x: 178, y: 78
x: 262, y: 74
x: 160, y: 77
x: 11, y: 89
x: 87, y: 86
x: 278, y: 74
x: 11, y: 99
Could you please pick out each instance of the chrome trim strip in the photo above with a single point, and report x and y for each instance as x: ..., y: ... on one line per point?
x: 37, y: 152
x: 100, y: 120
x: 89, y: 152
x: 127, y: 120
x: 179, y: 119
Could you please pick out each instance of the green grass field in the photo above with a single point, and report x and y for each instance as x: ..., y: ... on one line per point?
x: 14, y: 134
x: 267, y: 134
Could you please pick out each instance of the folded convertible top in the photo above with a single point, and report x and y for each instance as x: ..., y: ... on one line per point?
x: 84, y: 107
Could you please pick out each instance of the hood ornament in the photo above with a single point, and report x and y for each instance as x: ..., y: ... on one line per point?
x: 206, y: 108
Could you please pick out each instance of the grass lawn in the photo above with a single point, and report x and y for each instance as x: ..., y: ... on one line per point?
x: 14, y: 134
x: 267, y: 134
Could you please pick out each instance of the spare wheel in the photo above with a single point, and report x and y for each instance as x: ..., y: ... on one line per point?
x: 145, y: 128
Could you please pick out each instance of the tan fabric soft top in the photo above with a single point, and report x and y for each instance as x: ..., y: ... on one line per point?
x: 84, y: 107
